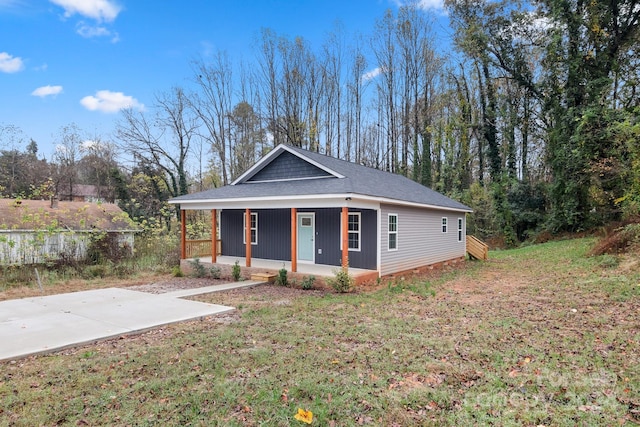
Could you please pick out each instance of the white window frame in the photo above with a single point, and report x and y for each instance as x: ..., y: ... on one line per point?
x: 392, y: 232
x: 359, y: 232
x: 445, y: 225
x: 460, y: 228
x: 244, y: 228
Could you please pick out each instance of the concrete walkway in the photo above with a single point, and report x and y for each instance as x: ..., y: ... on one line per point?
x: 45, y: 324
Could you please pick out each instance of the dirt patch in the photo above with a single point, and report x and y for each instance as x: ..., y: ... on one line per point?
x: 77, y: 285
x: 258, y: 296
x: 490, y: 284
x: 170, y: 284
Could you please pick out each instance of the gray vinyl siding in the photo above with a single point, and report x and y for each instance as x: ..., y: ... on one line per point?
x: 421, y: 241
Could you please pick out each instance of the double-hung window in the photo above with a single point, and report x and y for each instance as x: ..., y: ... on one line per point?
x: 444, y: 224
x: 354, y: 231
x: 393, y: 232
x: 254, y: 228
x: 460, y: 229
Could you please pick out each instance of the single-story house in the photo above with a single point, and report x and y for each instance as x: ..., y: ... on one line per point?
x: 302, y: 207
x: 37, y: 231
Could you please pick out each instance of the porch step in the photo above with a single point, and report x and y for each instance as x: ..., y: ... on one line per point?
x: 476, y: 248
x: 264, y: 277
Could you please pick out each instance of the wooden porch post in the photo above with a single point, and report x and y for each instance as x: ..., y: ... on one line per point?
x: 345, y: 237
x: 248, y: 237
x: 294, y: 240
x: 214, y: 236
x: 183, y: 234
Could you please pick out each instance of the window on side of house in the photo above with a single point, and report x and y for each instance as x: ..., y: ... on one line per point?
x: 393, y: 232
x: 254, y: 228
x: 444, y: 224
x: 460, y: 229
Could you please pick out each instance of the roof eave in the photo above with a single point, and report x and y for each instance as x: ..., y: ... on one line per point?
x: 315, y: 200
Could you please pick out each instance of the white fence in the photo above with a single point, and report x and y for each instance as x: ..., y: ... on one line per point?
x: 40, y: 246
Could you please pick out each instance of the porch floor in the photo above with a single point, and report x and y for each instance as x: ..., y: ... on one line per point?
x: 259, y: 265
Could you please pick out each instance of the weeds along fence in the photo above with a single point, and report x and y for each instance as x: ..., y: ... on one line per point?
x: 97, y: 258
x: 25, y: 247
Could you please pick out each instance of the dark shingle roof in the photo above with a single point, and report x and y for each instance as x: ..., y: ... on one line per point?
x: 358, y: 180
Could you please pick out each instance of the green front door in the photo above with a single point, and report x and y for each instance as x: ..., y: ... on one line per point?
x: 306, y: 237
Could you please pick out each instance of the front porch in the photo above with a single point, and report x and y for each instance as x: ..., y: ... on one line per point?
x: 258, y: 265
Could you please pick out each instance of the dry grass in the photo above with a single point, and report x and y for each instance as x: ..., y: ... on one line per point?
x: 542, y: 335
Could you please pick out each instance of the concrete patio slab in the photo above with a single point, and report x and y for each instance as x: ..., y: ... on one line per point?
x: 44, y: 324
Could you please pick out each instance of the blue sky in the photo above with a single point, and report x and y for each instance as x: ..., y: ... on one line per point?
x: 81, y: 61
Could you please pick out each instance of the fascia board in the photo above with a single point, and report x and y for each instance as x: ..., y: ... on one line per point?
x: 305, y: 201
x: 276, y: 202
x: 388, y: 201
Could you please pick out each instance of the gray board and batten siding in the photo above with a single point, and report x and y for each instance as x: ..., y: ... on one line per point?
x: 274, y: 236
x: 420, y: 240
x: 288, y: 166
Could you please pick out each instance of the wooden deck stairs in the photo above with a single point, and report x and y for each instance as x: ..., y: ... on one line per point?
x: 477, y: 249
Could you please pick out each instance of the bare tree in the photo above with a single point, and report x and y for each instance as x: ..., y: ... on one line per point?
x: 164, y: 141
x: 269, y: 77
x: 95, y: 167
x: 213, y: 107
x: 356, y: 87
x: 65, y: 158
x: 384, y: 48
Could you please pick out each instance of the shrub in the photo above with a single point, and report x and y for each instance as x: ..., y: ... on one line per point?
x: 282, y: 277
x: 176, y: 271
x: 343, y: 282
x: 307, y: 282
x: 198, y: 269
x: 107, y: 247
x: 214, y: 272
x: 236, y: 271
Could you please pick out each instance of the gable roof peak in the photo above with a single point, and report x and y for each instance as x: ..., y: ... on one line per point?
x: 308, y: 168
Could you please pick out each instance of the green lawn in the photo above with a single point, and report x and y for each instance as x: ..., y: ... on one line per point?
x: 541, y: 335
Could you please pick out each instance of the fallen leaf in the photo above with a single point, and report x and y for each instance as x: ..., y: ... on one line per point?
x: 304, y: 416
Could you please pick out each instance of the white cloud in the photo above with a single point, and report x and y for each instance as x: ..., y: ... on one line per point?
x: 89, y: 144
x: 89, y: 31
x: 11, y: 4
x: 9, y: 64
x: 437, y: 5
x: 370, y: 75
x: 47, y: 91
x: 110, y: 102
x: 100, y: 10
x: 431, y: 4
